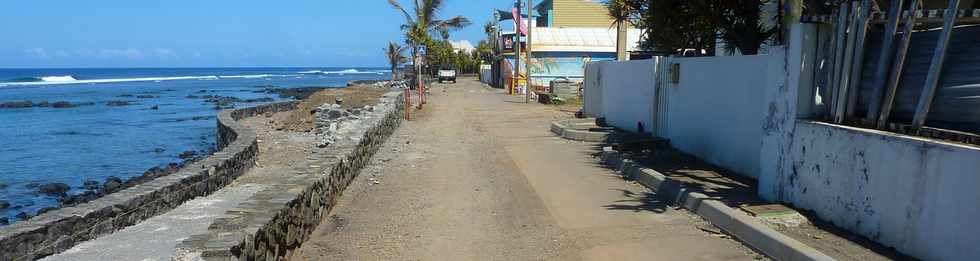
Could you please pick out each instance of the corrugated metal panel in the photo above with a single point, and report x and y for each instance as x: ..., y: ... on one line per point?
x: 580, y: 13
x: 596, y: 39
x: 957, y: 103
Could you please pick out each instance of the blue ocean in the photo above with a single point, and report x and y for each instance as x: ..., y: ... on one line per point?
x: 90, y: 124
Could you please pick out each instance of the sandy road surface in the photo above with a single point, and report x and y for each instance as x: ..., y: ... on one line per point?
x: 478, y: 176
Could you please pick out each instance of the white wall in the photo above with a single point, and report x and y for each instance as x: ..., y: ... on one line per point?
x: 917, y: 195
x: 717, y: 109
x: 628, y: 95
x: 592, y: 90
x: 622, y: 92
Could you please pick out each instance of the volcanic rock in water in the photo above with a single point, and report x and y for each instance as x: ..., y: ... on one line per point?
x: 4, y: 222
x: 54, y: 189
x: 43, y: 104
x: 23, y: 216
x: 155, y: 107
x: 4, y: 204
x: 187, y: 154
x: 80, y: 198
x: 91, y: 185
x: 46, y: 210
x: 145, y: 96
x: 16, y: 104
x: 111, y: 184
x: 118, y: 103
x: 63, y: 104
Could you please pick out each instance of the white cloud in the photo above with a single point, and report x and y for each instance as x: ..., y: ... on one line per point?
x: 129, y: 53
x: 125, y: 53
x: 39, y: 53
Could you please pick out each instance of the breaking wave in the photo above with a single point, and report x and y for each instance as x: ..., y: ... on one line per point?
x: 343, y: 72
x: 68, y: 79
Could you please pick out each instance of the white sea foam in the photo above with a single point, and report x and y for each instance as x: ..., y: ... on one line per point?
x: 343, y: 72
x: 254, y: 76
x: 60, y: 80
x: 66, y: 78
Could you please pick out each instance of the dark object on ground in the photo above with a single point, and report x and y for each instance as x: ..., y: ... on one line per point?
x: 339, y: 100
x: 118, y: 103
x: 54, y: 189
x: 580, y: 114
x: 187, y: 155
x: 16, y: 105
x: 4, y: 204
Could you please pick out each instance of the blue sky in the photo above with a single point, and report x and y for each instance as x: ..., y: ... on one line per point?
x: 206, y: 33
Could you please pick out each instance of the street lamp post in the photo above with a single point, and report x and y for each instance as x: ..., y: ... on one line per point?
x: 530, y: 28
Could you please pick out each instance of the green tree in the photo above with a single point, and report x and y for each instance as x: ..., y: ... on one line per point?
x: 396, y: 58
x: 424, y: 21
x: 678, y: 26
x: 624, y: 14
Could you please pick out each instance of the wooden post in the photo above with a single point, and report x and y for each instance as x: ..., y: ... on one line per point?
x: 896, y: 72
x: 936, y: 69
x: 857, y: 67
x: 881, y: 73
x: 838, y: 59
x: 845, y: 70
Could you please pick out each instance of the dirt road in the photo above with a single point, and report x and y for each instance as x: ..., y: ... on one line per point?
x: 478, y: 176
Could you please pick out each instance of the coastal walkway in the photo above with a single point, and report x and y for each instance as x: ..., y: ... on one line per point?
x: 478, y: 176
x: 156, y: 238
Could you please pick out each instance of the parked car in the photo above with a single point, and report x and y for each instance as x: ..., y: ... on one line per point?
x: 447, y: 74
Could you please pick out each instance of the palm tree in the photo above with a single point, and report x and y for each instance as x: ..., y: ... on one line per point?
x: 396, y: 57
x: 623, y: 13
x: 421, y: 24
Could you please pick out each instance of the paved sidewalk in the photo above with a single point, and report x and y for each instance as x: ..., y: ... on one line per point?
x: 478, y: 176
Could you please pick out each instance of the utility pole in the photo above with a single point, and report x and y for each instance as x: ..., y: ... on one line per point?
x: 530, y: 27
x: 517, y: 49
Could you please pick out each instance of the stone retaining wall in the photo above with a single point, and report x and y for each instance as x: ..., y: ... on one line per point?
x: 59, y: 230
x: 273, y: 223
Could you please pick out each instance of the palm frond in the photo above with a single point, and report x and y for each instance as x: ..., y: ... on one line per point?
x: 398, y: 6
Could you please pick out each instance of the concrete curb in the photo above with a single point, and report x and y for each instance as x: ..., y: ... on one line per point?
x: 733, y: 221
x: 562, y: 129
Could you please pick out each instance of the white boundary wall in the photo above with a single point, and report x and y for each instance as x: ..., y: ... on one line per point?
x: 716, y: 109
x: 622, y: 92
x: 917, y: 195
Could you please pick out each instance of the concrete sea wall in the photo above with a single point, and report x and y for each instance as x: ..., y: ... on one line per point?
x: 59, y: 230
x: 276, y: 221
x: 914, y: 194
